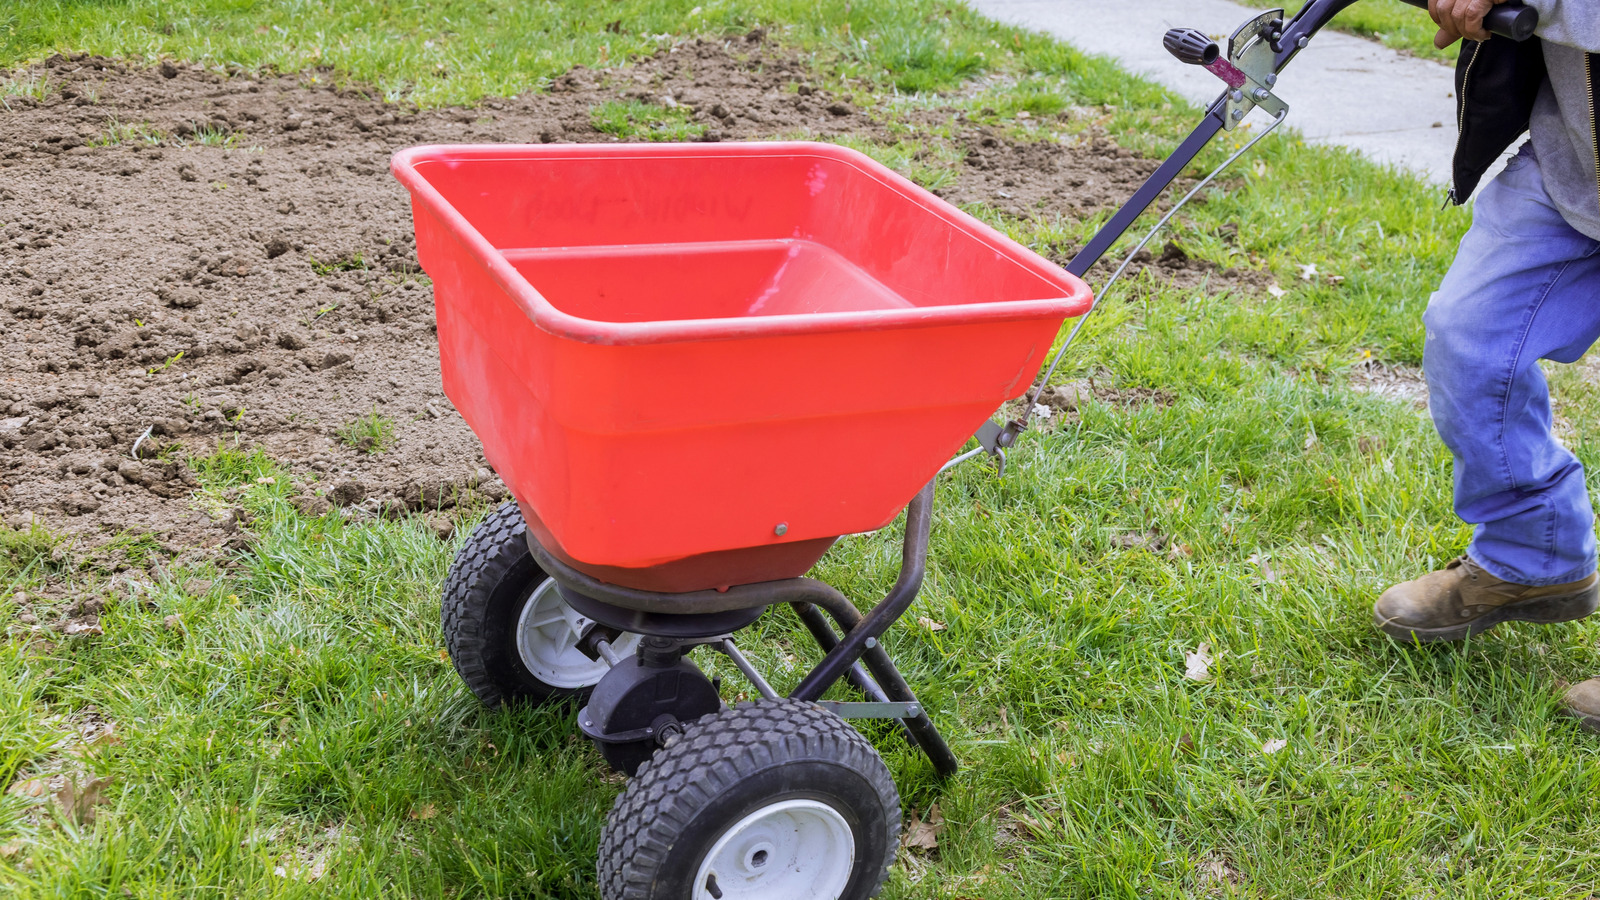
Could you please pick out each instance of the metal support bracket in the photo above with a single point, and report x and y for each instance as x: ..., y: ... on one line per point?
x: 996, y: 439
x: 1248, y: 69
x: 592, y: 731
x: 868, y: 710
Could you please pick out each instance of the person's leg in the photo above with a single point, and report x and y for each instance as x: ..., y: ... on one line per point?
x: 1524, y: 286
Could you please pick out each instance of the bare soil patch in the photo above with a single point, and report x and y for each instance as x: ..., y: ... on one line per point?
x: 1391, y: 381
x: 191, y: 257
x: 1067, y: 397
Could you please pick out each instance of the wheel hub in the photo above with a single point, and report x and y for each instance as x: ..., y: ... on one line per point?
x: 790, y: 850
x: 547, y: 641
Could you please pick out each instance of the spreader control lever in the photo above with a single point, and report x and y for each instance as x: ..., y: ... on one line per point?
x: 1248, y: 69
x: 1192, y: 46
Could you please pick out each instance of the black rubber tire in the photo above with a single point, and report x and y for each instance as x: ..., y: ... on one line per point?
x: 490, y: 579
x: 726, y: 766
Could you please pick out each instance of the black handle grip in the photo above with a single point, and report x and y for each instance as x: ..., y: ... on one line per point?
x: 1512, y: 20
x: 1191, y: 46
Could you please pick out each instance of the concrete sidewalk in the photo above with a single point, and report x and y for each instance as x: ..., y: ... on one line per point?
x: 1345, y: 90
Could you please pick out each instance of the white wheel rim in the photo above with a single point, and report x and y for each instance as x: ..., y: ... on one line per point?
x: 790, y: 850
x: 548, y: 642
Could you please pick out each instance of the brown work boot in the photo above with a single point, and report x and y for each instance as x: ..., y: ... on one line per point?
x: 1583, y: 703
x: 1462, y: 599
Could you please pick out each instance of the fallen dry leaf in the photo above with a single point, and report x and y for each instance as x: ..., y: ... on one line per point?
x: 11, y: 850
x: 79, y: 800
x: 106, y: 738
x: 424, y: 812
x: 930, y: 624
x: 1277, y: 293
x: 84, y: 628
x: 31, y: 789
x: 1197, y: 665
x: 1268, y: 574
x: 1032, y: 827
x: 924, y: 835
x: 1308, y: 271
x: 1273, y: 746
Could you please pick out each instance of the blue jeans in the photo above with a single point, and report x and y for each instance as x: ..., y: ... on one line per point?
x: 1525, y: 286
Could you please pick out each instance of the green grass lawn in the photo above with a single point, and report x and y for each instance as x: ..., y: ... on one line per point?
x: 288, y: 725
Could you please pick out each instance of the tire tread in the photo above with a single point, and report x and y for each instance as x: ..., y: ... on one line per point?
x: 714, y: 753
x: 498, y: 542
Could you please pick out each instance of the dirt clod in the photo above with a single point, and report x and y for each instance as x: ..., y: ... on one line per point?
x: 179, y: 298
x: 312, y: 506
x: 347, y: 493
x: 442, y: 526
x: 277, y: 247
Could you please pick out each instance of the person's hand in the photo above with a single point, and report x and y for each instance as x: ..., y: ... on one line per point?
x: 1459, y: 19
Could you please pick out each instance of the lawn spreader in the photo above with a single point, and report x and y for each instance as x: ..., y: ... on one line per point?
x: 696, y: 366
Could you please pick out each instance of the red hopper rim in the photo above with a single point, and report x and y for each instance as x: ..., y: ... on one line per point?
x: 1074, y: 300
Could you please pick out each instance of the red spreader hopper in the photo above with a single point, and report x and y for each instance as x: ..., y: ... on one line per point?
x: 696, y: 365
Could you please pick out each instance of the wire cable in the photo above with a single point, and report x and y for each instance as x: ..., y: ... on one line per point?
x: 1033, y: 402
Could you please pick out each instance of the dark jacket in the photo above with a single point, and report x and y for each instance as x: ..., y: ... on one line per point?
x: 1497, y: 82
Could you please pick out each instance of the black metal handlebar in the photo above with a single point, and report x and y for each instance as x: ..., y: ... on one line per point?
x: 1514, y: 20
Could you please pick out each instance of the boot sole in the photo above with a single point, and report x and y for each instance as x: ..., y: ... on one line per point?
x: 1591, y: 723
x: 1542, y: 611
